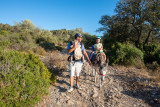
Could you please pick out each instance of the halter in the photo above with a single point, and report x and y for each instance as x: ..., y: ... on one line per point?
x: 100, y: 73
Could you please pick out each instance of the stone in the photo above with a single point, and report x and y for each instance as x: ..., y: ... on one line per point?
x: 69, y: 102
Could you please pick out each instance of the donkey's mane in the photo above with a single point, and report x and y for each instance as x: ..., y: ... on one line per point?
x: 98, y: 60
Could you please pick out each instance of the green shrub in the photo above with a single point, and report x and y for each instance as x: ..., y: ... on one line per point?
x: 157, y: 56
x: 151, y: 53
x: 89, y: 40
x: 154, y: 66
x: 56, y: 39
x: 48, y: 46
x: 125, y: 54
x: 59, y: 48
x: 4, y: 32
x: 5, y: 43
x: 23, y: 78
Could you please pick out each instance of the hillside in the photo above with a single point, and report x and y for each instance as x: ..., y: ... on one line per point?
x: 22, y: 46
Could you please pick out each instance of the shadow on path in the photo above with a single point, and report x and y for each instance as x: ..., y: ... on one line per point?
x: 138, y: 87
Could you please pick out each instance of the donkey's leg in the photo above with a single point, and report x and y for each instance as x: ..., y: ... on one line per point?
x: 95, y: 76
x: 103, y: 77
x: 103, y: 73
x: 93, y: 71
x: 100, y: 82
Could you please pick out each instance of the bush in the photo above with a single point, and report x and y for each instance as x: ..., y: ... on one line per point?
x: 59, y: 48
x: 4, y: 32
x: 154, y: 66
x: 89, y: 40
x: 151, y: 53
x: 48, y: 46
x: 5, y: 44
x: 23, y: 78
x: 125, y: 54
x: 39, y: 50
x: 157, y: 56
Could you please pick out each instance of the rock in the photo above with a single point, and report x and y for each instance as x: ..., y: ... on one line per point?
x: 95, y: 93
x: 115, y: 89
x: 57, y: 100
x: 69, y: 102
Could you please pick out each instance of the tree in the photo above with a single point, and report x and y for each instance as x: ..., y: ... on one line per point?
x: 135, y: 21
x: 27, y: 24
x: 152, y: 18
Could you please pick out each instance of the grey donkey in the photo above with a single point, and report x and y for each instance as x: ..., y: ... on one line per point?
x: 99, y: 67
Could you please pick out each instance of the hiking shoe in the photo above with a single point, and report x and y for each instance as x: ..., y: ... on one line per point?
x: 70, y: 89
x: 77, y: 86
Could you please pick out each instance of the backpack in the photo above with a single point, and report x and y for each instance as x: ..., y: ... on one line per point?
x: 77, y: 53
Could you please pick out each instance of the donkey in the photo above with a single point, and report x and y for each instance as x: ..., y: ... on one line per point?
x: 99, y: 67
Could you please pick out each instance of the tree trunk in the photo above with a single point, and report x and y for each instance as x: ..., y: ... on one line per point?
x: 138, y: 39
x: 137, y: 43
x: 147, y: 39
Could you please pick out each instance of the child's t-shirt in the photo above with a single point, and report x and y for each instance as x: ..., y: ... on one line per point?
x: 98, y: 46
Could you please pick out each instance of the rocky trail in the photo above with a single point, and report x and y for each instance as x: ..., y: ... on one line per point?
x: 122, y: 87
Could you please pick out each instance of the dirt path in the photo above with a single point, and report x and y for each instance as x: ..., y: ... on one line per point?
x: 121, y: 88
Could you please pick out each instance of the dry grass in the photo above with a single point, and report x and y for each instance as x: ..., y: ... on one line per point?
x: 156, y: 76
x: 39, y: 50
x: 143, y: 72
x: 56, y: 61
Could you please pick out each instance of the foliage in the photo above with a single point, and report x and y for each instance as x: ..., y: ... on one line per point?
x: 59, y: 48
x: 39, y: 50
x: 151, y: 53
x: 136, y: 21
x: 125, y: 54
x: 157, y: 56
x: 5, y: 44
x: 4, y: 32
x: 154, y: 66
x: 23, y: 78
x: 89, y: 40
x: 25, y: 36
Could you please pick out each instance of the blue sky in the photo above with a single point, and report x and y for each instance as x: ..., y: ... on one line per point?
x: 58, y: 14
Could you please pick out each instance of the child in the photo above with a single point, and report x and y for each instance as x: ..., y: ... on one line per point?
x: 98, y: 47
x: 71, y: 58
